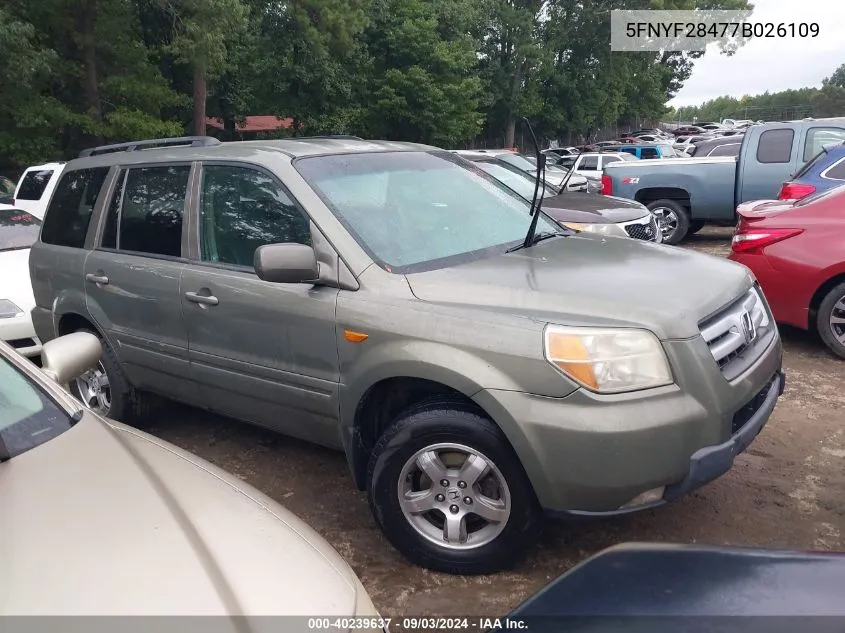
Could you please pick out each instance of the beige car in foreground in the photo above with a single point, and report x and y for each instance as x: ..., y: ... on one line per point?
x: 98, y: 518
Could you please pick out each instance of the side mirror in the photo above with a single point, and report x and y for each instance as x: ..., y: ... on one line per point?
x: 286, y: 263
x: 68, y: 357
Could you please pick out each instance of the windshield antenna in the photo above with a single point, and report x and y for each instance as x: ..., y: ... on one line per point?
x: 540, y: 177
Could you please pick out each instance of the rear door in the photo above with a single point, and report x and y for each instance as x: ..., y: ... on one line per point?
x: 768, y: 158
x: 260, y: 351
x: 132, y: 278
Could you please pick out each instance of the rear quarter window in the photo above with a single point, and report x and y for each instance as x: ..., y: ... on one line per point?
x: 775, y: 146
x: 33, y: 184
x: 71, y: 206
x: 835, y: 171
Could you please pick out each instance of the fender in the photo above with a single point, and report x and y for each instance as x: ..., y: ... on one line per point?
x: 452, y: 367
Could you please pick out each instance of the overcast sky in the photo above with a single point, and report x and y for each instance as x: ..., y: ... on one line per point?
x: 772, y: 64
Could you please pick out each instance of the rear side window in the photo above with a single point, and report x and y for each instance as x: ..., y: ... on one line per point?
x: 33, y: 184
x: 629, y: 150
x: 649, y: 152
x: 69, y: 213
x: 775, y: 146
x: 145, y: 214
x: 835, y: 171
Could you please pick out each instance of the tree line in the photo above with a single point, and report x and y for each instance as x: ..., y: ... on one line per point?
x: 82, y: 72
x: 826, y: 101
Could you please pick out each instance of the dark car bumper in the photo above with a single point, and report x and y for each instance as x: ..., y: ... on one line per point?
x: 711, y: 462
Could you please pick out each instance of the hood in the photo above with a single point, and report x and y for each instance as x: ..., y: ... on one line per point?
x: 592, y: 208
x: 107, y: 520
x: 588, y: 279
x: 14, y: 281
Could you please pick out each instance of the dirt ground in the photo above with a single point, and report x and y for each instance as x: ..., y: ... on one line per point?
x: 787, y: 491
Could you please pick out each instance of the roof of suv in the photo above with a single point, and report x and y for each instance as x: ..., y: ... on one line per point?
x: 293, y: 147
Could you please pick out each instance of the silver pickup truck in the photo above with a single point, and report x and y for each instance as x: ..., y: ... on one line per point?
x: 685, y: 194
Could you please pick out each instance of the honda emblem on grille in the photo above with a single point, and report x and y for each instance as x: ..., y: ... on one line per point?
x: 749, y: 330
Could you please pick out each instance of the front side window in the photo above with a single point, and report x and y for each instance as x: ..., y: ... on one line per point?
x: 18, y: 229
x: 589, y: 163
x: 71, y: 206
x: 610, y: 159
x: 649, y: 152
x: 28, y: 417
x: 145, y: 214
x: 416, y: 211
x: 33, y: 184
x: 818, y: 137
x: 243, y: 208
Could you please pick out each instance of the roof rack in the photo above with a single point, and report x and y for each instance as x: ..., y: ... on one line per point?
x: 192, y: 141
x: 348, y: 137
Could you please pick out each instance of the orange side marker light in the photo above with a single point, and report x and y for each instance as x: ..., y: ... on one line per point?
x: 355, y: 337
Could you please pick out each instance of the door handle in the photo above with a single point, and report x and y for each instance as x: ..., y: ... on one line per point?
x: 208, y: 300
x: 97, y: 279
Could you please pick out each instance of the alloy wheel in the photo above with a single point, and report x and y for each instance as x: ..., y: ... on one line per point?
x: 454, y: 496
x: 94, y: 390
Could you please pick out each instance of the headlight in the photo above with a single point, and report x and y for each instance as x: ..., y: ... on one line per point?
x: 611, y: 230
x: 608, y: 360
x: 8, y: 309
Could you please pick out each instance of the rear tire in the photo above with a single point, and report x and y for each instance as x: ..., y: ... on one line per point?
x: 436, y: 526
x: 673, y: 219
x: 830, y: 320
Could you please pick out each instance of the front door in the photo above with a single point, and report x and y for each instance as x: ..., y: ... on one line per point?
x: 260, y: 351
x: 132, y: 279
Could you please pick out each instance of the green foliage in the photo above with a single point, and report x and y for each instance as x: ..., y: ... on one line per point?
x: 827, y: 101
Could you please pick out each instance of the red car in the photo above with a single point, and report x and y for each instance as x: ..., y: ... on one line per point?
x: 797, y: 252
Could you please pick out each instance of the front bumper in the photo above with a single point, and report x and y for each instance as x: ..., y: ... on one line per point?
x: 593, y: 455
x: 18, y: 332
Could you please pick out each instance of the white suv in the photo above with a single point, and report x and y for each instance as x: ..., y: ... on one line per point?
x: 36, y: 186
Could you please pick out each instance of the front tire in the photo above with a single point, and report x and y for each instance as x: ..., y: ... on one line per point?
x: 449, y: 492
x: 672, y: 218
x: 830, y: 320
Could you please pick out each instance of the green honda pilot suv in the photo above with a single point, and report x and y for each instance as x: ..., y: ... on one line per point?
x: 379, y: 298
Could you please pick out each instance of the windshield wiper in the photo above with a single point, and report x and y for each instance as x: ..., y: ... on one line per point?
x: 538, y: 237
x: 539, y: 188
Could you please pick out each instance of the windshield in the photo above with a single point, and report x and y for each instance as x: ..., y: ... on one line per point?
x: 523, y: 185
x: 28, y: 417
x: 414, y: 211
x: 18, y: 229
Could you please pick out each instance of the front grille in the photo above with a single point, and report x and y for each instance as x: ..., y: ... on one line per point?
x: 20, y: 343
x: 738, y: 334
x: 742, y: 416
x: 645, y: 229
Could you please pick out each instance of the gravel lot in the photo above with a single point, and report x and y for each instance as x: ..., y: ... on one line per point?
x: 787, y: 491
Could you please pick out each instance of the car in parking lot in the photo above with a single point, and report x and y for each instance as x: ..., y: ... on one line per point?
x: 18, y: 232
x: 117, y: 522
x: 389, y: 300
x: 579, y: 211
x: 823, y: 171
x: 517, y: 162
x: 795, y: 249
x: 690, y: 192
x: 35, y: 187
